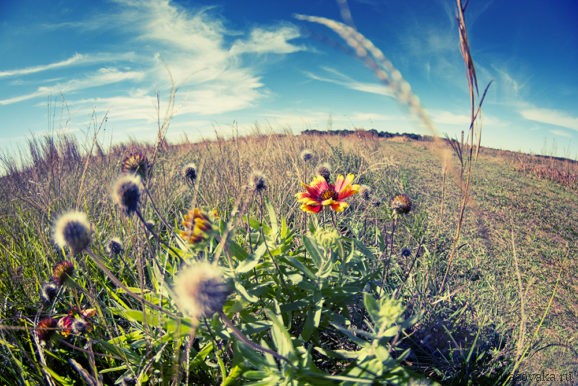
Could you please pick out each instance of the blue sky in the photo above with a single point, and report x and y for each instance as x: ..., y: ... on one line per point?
x: 68, y: 64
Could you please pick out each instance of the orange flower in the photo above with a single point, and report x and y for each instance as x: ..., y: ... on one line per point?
x: 321, y: 193
x: 196, y: 224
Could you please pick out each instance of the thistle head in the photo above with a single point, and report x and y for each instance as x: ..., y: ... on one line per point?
x: 62, y: 271
x: 401, y: 204
x: 48, y: 291
x: 72, y: 230
x: 114, y: 247
x: 201, y: 290
x: 45, y: 329
x: 127, y: 192
x: 190, y: 173
x: 136, y: 163
x: 258, y: 181
x: 324, y: 170
x: 365, y: 192
x: 306, y: 155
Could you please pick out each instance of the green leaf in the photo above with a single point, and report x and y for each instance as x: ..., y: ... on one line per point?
x: 237, y: 251
x: 272, y: 218
x: 235, y: 373
x: 280, y: 335
x: 314, y: 252
x: 372, y: 307
x: 300, y: 266
x: 313, y: 319
x: 243, y: 292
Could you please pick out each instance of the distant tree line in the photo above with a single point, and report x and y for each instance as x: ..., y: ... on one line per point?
x: 367, y: 133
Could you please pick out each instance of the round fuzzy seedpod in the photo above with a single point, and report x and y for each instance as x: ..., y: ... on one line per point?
x: 150, y: 224
x: 136, y: 163
x: 201, y: 290
x: 401, y: 204
x: 258, y: 181
x: 62, y: 271
x: 127, y: 192
x: 114, y: 247
x: 190, y: 173
x: 48, y: 291
x: 324, y: 170
x: 72, y: 230
x: 365, y: 192
x: 306, y: 155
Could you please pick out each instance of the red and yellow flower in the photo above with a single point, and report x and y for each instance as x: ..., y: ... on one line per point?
x: 321, y: 193
x: 196, y: 226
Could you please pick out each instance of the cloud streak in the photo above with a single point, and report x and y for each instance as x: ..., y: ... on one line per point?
x: 343, y: 80
x: 550, y: 117
x: 104, y: 76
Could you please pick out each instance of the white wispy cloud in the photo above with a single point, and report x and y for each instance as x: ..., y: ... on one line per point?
x: 166, y: 43
x: 74, y: 60
x: 34, y: 69
x: 103, y: 76
x: 272, y: 40
x: 338, y: 78
x: 551, y: 117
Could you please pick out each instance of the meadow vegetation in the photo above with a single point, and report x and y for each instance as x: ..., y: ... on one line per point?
x: 348, y: 297
x: 273, y: 259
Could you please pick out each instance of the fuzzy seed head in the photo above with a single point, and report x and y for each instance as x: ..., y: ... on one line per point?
x: 48, y: 291
x: 324, y: 170
x: 258, y: 181
x: 201, y: 290
x: 401, y: 204
x: 190, y: 172
x: 114, y: 247
x: 127, y: 192
x: 62, y: 271
x: 72, y: 230
x: 306, y: 155
x: 365, y: 192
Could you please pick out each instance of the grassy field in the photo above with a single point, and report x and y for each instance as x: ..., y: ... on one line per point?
x: 350, y: 297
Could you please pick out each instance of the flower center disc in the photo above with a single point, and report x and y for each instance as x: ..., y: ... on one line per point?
x: 326, y: 195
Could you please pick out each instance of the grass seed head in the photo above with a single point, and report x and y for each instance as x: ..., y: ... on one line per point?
x: 201, y: 290
x: 72, y: 230
x: 127, y: 192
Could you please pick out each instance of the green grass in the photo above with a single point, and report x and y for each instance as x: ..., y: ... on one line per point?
x: 321, y: 302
